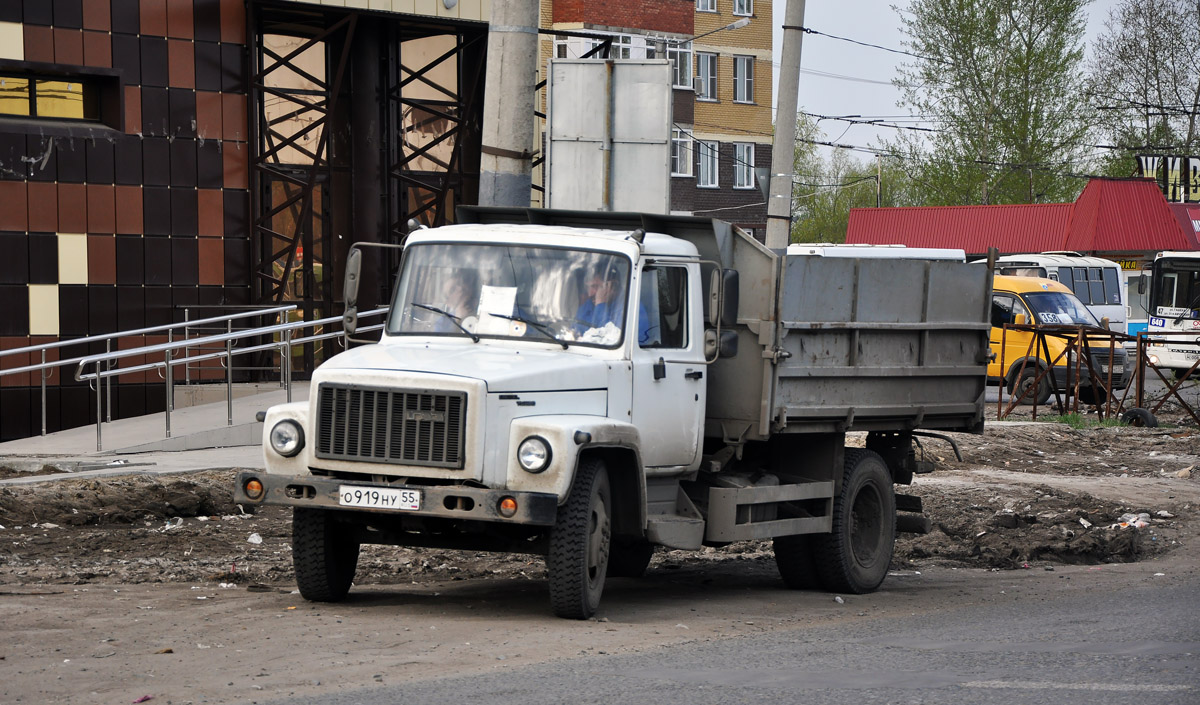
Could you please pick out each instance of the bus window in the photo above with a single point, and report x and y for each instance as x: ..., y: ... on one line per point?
x: 1096, y: 286
x: 1112, y: 283
x: 1166, y: 292
x: 1079, y: 285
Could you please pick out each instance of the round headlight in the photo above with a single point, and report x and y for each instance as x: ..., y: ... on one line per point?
x: 287, y: 438
x: 534, y: 454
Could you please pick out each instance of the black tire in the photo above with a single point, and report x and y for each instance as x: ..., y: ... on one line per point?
x: 629, y: 558
x: 855, y: 556
x: 577, y: 561
x: 1017, y: 390
x: 1139, y: 417
x: 1179, y: 372
x: 324, y: 557
x: 794, y: 558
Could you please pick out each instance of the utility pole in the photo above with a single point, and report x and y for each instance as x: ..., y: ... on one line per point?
x: 779, y: 203
x: 505, y: 168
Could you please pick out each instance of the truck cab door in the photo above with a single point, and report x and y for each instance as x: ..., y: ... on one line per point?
x: 669, y: 374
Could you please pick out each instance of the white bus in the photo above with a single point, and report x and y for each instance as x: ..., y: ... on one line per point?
x: 1175, y: 306
x: 1096, y: 282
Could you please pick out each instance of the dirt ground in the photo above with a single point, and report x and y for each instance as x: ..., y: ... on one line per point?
x: 1027, y: 496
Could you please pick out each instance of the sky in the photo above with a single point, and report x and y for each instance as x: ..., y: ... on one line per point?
x: 867, y: 88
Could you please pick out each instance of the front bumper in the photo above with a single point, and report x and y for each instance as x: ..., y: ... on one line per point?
x: 443, y: 501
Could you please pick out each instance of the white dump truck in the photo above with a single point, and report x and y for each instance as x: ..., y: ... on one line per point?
x: 588, y: 386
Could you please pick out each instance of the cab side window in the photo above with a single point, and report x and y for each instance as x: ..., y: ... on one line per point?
x: 1005, y: 308
x: 664, y: 305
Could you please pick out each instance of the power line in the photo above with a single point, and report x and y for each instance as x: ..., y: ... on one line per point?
x: 808, y: 30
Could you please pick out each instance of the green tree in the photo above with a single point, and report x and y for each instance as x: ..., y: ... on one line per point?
x: 1001, y: 80
x: 1144, y: 80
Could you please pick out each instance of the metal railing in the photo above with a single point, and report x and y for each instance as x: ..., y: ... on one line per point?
x: 45, y: 369
x: 103, y: 369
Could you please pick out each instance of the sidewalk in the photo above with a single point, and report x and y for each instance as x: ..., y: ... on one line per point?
x: 200, y: 440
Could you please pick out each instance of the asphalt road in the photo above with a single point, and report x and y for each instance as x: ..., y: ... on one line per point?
x: 1012, y: 641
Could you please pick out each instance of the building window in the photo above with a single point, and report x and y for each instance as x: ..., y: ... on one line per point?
x: 48, y: 98
x: 706, y: 5
x: 622, y: 44
x: 706, y: 72
x: 743, y: 7
x: 681, y: 152
x: 743, y: 165
x: 680, y: 56
x: 743, y: 79
x: 709, y: 161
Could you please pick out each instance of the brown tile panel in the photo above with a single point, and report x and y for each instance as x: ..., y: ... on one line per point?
x: 14, y: 213
x: 39, y: 43
x: 133, y: 110
x: 14, y: 361
x: 96, y: 16
x: 211, y: 210
x: 72, y: 208
x: 101, y: 209
x: 102, y: 259
x: 236, y: 158
x: 212, y: 261
x: 68, y: 46
x: 152, y: 16
x: 43, y: 207
x: 129, y: 209
x: 181, y: 60
x: 233, y: 116
x: 233, y: 21
x: 97, y: 49
x: 179, y: 19
x: 208, y: 114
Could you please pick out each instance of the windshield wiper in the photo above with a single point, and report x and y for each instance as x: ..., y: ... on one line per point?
x: 453, y: 319
x: 542, y: 327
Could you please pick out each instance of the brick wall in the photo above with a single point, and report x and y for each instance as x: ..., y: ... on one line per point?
x: 656, y: 15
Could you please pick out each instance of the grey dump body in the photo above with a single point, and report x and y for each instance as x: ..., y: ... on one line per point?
x: 828, y: 344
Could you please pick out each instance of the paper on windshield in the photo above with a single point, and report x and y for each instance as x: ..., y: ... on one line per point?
x: 496, y: 299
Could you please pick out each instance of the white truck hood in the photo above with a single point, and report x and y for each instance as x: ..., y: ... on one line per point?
x: 501, y: 369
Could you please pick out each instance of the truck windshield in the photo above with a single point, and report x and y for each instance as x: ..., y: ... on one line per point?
x: 1057, y: 308
x: 1176, y: 288
x: 509, y: 291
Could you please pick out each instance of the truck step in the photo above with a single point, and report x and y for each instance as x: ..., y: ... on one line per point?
x: 675, y: 531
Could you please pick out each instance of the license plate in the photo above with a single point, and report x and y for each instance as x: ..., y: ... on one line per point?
x: 379, y: 498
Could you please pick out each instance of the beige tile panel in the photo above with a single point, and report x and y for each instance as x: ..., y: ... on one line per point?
x: 406, y: 6
x: 43, y: 309
x: 72, y: 259
x: 12, y: 41
x: 427, y: 7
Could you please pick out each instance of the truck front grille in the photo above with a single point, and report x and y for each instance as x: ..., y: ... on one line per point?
x: 379, y: 425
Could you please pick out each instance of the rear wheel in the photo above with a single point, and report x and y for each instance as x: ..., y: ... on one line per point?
x: 324, y: 556
x: 854, y: 557
x: 794, y: 558
x: 579, y: 544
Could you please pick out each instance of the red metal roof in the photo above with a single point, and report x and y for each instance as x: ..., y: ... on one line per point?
x: 1188, y: 215
x: 1115, y: 215
x: 1111, y: 215
x: 1011, y: 229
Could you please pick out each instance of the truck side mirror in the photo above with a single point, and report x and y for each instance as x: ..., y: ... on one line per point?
x: 724, y: 346
x: 350, y: 291
x: 1019, y: 319
x: 723, y: 298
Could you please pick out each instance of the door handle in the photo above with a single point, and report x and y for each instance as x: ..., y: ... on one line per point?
x: 693, y: 375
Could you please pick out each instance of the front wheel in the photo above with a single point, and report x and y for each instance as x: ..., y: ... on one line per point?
x: 579, y: 544
x: 324, y: 556
x: 854, y: 557
x: 1023, y: 388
